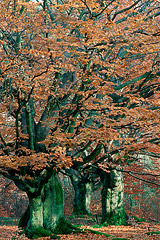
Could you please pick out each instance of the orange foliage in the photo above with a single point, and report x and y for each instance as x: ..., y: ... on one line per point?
x: 110, y: 99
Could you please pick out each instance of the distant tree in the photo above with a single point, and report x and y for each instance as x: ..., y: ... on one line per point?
x: 84, y: 184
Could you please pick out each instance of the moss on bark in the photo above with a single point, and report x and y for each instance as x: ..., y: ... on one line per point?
x: 118, y: 218
x: 52, y: 203
x: 40, y: 232
x: 24, y: 218
x: 64, y: 227
x: 82, y: 201
x: 112, y: 198
x: 44, y: 216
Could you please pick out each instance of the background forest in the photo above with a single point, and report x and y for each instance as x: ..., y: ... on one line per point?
x: 79, y: 113
x: 141, y: 200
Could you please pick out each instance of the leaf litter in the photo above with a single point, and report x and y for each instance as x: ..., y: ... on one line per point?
x: 137, y: 232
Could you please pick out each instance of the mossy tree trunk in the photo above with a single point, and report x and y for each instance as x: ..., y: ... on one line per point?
x: 35, y: 213
x: 44, y: 215
x: 82, y: 199
x: 113, y: 198
x: 52, y: 203
x: 83, y: 188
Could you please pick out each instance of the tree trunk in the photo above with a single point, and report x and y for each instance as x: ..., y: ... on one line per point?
x: 35, y: 212
x: 82, y: 199
x: 45, y: 211
x: 112, y: 198
x: 52, y: 203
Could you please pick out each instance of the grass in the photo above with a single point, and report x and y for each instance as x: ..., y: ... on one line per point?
x: 140, y: 220
x: 120, y: 238
x: 152, y: 233
x: 8, y: 221
x: 99, y: 233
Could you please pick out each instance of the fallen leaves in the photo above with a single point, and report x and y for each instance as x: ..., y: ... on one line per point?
x: 137, y: 232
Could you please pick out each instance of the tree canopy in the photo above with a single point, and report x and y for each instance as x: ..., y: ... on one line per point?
x: 79, y: 85
x: 81, y: 73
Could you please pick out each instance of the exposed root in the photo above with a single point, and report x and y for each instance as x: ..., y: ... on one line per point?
x: 40, y: 232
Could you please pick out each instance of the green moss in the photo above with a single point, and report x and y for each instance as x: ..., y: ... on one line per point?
x: 59, y: 192
x: 96, y: 226
x: 139, y: 219
x: 78, y: 225
x: 99, y: 233
x: 100, y: 226
x: 115, y: 219
x: 104, y: 224
x: 79, y: 211
x: 40, y: 232
x: 151, y: 233
x: 64, y: 227
x: 120, y: 238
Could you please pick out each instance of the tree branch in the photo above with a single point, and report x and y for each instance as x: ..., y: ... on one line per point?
x: 98, y: 14
x: 125, y: 9
x: 143, y: 179
x: 138, y: 173
x: 89, y: 10
x: 21, y: 184
x: 3, y: 141
x: 40, y: 74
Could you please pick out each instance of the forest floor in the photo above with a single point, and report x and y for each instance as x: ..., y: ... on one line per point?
x: 143, y: 231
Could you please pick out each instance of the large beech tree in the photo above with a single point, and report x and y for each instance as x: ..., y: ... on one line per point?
x: 76, y: 77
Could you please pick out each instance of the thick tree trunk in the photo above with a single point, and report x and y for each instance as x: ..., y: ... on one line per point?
x: 45, y: 211
x: 82, y: 199
x: 35, y: 212
x: 112, y: 198
x: 52, y: 203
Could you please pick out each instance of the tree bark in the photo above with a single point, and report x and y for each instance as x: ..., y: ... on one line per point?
x: 52, y: 203
x: 113, y: 198
x: 82, y: 200
x: 35, y: 212
x: 45, y: 211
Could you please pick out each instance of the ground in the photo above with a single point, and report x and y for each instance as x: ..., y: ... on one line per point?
x: 136, y: 232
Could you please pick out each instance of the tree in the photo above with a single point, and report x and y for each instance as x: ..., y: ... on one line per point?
x: 105, y: 104
x: 113, y: 198
x: 140, y: 88
x: 84, y: 184
x: 27, y: 69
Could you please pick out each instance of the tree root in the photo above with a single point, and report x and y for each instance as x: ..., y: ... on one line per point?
x: 97, y: 232
x: 40, y: 232
x: 64, y: 227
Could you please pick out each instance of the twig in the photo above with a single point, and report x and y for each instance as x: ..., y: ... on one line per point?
x: 144, y: 180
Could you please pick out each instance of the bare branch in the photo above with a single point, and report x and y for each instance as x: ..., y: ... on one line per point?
x: 3, y: 141
x: 98, y: 14
x: 22, y: 185
x: 89, y: 10
x: 125, y: 9
x: 40, y: 74
x: 139, y: 173
x: 143, y: 179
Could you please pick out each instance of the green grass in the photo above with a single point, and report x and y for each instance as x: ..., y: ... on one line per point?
x: 100, y: 225
x: 120, y: 238
x: 151, y: 233
x: 139, y: 219
x: 98, y: 233
x: 8, y: 221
